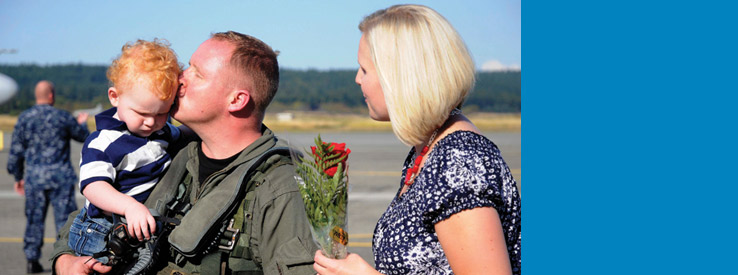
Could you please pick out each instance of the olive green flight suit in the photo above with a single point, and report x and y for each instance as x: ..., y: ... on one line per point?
x: 280, y: 240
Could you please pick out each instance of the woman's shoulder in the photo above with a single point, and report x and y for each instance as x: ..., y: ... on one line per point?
x: 462, y: 134
x: 463, y: 153
x: 466, y: 142
x: 466, y: 173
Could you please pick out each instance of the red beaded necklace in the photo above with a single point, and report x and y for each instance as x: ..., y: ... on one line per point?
x: 412, y: 172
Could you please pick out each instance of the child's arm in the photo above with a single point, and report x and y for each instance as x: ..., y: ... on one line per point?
x: 105, y: 197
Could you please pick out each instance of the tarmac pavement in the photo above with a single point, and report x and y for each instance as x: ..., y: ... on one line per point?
x: 375, y: 162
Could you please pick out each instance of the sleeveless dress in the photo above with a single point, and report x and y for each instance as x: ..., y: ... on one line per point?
x: 464, y: 171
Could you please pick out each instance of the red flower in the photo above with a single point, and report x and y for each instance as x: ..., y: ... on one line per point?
x: 338, y: 148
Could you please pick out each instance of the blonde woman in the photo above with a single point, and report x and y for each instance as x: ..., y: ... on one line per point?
x: 457, y: 209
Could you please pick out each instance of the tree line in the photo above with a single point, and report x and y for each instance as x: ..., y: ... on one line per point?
x: 80, y: 86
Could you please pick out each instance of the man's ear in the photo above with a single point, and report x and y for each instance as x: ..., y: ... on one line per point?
x: 113, y: 96
x: 238, y: 100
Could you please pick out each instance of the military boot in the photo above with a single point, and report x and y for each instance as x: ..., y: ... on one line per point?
x: 34, y: 267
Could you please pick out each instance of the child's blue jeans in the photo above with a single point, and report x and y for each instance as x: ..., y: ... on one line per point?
x: 87, y: 235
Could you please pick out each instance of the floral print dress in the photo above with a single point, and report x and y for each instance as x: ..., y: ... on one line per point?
x: 465, y: 170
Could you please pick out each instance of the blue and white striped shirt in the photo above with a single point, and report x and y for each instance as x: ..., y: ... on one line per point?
x: 131, y: 164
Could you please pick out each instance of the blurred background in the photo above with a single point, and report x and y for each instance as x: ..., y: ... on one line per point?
x: 71, y: 44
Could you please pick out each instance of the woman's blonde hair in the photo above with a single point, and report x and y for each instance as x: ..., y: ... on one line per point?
x: 152, y: 60
x: 423, y: 66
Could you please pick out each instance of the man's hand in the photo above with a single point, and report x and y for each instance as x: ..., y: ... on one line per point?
x: 68, y: 264
x: 18, y: 187
x: 140, y: 222
x: 82, y: 118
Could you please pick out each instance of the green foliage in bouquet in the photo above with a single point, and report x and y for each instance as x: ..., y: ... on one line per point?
x: 323, y: 184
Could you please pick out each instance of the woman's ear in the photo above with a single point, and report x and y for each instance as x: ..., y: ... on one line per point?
x: 238, y: 101
x: 113, y: 96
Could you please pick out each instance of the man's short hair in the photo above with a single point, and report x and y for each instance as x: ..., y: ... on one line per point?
x: 255, y: 60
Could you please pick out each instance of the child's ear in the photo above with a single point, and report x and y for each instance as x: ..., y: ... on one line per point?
x: 113, y: 96
x: 238, y: 100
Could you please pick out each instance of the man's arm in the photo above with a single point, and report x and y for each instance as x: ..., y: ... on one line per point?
x: 281, y: 229
x: 78, y: 127
x: 61, y: 246
x: 16, y: 159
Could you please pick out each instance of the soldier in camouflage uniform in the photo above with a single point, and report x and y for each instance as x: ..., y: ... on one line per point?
x: 40, y: 144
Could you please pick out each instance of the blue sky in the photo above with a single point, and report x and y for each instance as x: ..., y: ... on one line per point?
x: 309, y: 34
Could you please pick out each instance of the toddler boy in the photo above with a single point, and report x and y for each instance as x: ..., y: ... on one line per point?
x: 122, y: 161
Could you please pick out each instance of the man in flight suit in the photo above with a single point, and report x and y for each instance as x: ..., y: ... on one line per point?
x: 223, y: 97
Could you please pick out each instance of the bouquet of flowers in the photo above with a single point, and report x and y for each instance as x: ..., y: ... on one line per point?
x: 323, y: 182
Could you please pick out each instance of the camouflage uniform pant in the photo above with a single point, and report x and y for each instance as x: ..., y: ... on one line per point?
x: 37, y: 203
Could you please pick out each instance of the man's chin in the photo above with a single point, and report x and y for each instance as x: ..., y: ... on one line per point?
x: 176, y: 115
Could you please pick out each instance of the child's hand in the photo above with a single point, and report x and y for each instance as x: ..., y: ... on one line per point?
x: 140, y: 221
